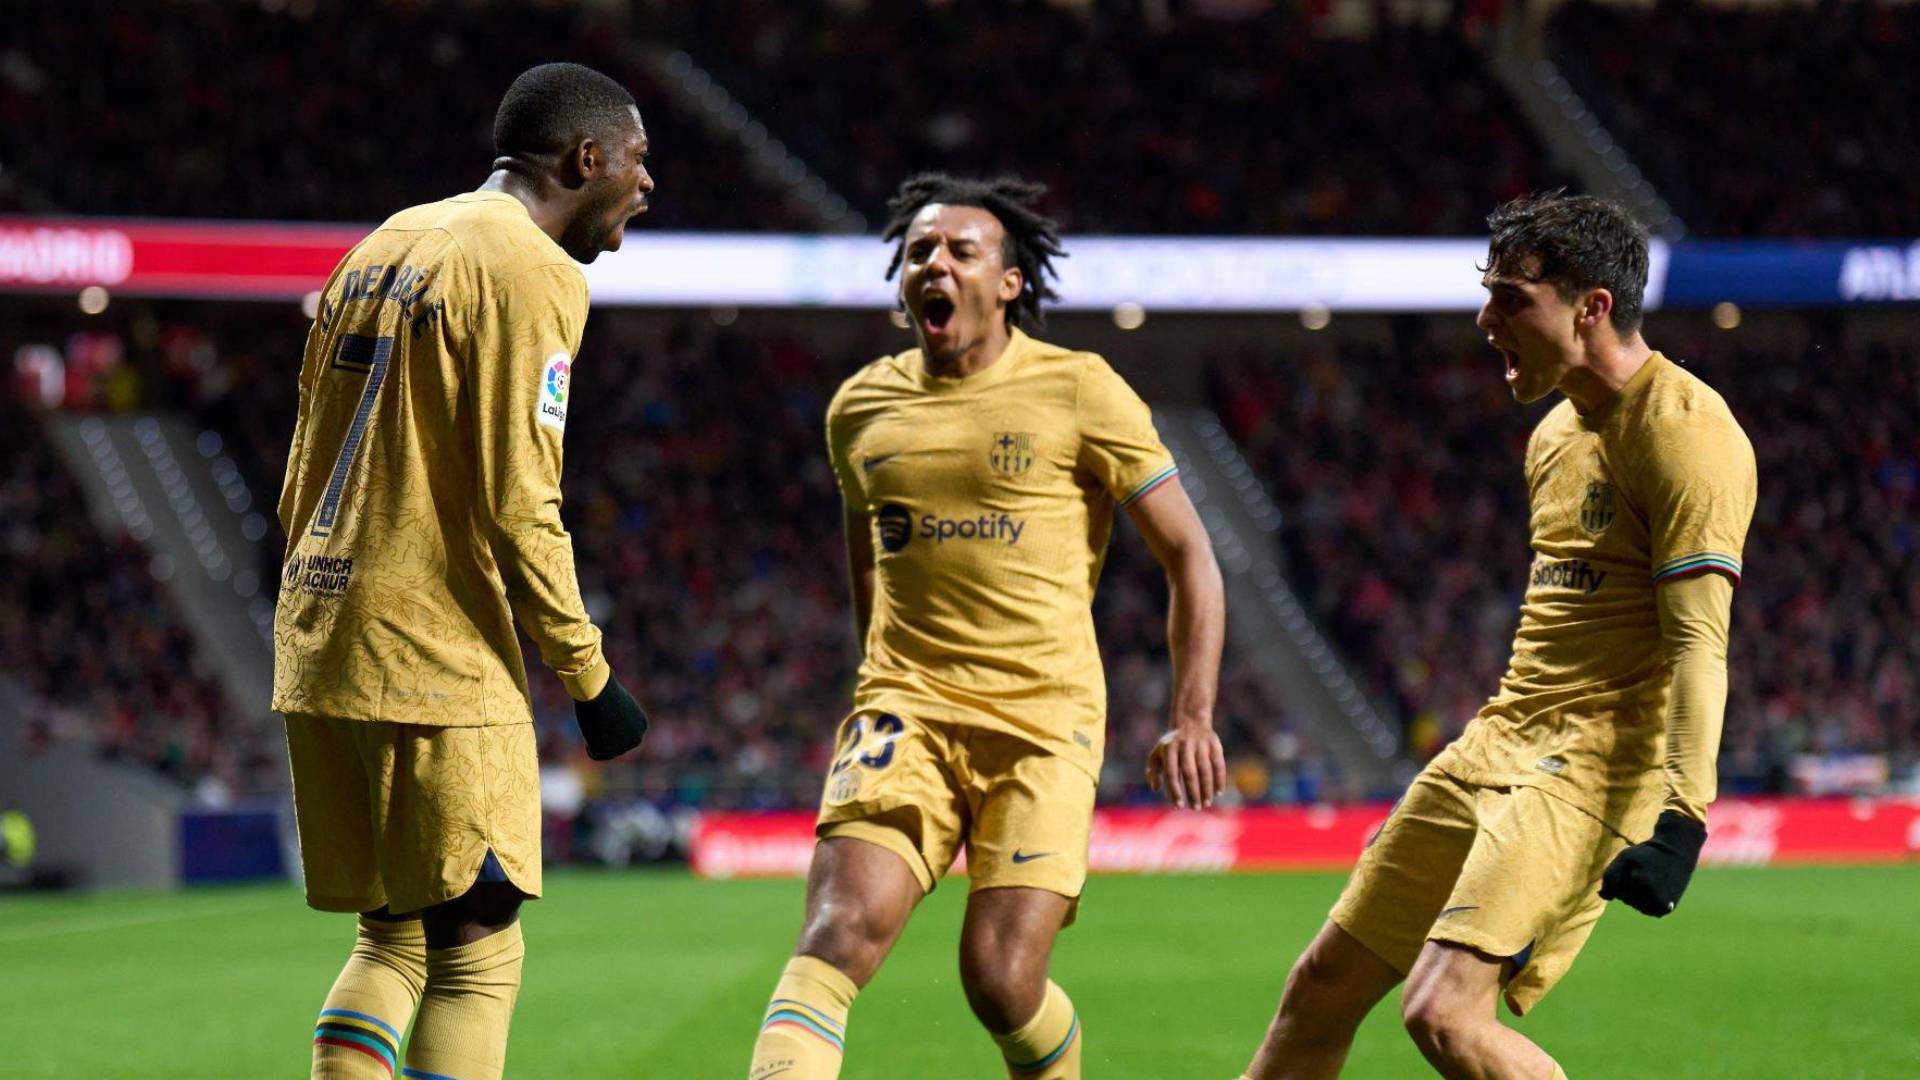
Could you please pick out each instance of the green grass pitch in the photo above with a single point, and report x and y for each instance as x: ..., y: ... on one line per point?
x: 1797, y: 973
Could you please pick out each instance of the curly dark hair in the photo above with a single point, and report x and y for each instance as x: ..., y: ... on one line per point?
x: 1032, y: 239
x: 1580, y: 242
x: 549, y: 108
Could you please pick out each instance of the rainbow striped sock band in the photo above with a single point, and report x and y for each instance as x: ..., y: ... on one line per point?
x: 412, y: 1073
x: 790, y: 1013
x: 1073, y: 1032
x: 356, y: 1031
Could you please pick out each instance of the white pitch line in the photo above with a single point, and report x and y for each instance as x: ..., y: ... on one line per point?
x: 102, y: 925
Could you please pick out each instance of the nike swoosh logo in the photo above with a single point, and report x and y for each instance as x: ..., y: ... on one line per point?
x: 1023, y: 857
x: 867, y: 465
x: 1458, y: 910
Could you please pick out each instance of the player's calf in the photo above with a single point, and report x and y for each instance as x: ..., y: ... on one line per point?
x: 1005, y: 947
x: 1331, y: 988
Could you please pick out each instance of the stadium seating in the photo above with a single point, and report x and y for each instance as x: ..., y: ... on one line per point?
x: 89, y: 636
x: 1179, y: 124
x: 1829, y: 143
x: 1147, y: 126
x: 332, y: 112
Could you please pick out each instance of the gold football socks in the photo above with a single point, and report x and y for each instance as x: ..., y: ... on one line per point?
x: 804, y: 1033
x: 461, y: 1033
x: 1046, y: 1047
x: 358, y: 1035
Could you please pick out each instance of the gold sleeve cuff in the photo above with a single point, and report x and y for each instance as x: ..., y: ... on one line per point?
x: 587, y: 685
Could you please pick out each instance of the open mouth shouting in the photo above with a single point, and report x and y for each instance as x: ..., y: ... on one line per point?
x: 936, y: 315
x: 1511, y: 359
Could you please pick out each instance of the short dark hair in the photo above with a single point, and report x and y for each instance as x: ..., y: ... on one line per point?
x: 550, y: 108
x: 1032, y: 239
x: 1579, y: 242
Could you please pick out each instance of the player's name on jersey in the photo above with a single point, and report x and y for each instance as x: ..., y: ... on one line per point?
x: 377, y: 283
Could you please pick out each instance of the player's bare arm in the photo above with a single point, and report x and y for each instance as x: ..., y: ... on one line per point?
x: 1187, y: 763
x: 859, y: 529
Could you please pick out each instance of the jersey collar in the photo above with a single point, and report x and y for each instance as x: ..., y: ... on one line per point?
x: 1018, y: 346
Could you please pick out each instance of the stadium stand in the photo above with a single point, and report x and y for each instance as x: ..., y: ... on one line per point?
x: 1159, y: 140
x: 164, y: 110
x: 1181, y: 124
x: 87, y: 632
x: 1827, y: 144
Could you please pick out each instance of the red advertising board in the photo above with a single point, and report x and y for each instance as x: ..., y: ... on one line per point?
x: 167, y: 258
x: 1744, y: 831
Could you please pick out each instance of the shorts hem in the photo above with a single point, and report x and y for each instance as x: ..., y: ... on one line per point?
x: 887, y: 838
x: 1479, y: 943
x: 981, y: 885
x: 1345, y: 921
x: 446, y: 891
x: 344, y: 905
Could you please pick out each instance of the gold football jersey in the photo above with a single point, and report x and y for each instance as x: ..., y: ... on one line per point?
x: 1660, y: 486
x: 991, y: 499
x: 422, y: 497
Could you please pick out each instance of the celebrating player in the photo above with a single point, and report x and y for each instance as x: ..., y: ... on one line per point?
x: 1490, y: 873
x: 422, y: 510
x: 980, y: 474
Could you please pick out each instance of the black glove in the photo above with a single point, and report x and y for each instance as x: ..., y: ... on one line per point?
x: 1650, y: 877
x: 612, y: 723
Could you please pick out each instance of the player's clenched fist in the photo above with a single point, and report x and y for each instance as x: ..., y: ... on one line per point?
x: 1188, y: 764
x: 1649, y: 877
x: 612, y: 723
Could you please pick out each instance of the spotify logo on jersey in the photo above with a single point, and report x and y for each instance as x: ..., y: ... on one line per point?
x: 896, y: 526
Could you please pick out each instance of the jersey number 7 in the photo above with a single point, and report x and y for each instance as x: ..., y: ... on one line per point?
x: 357, y: 354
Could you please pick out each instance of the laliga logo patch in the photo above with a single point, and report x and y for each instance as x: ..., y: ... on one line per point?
x: 555, y: 380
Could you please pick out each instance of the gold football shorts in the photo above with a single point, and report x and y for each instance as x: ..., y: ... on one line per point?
x: 1512, y: 873
x: 922, y: 788
x: 406, y: 815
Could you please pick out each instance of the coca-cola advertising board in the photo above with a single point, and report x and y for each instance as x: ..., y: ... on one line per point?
x: 1138, y: 840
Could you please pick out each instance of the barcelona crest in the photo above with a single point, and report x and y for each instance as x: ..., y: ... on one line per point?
x: 1011, y: 452
x: 1596, y: 513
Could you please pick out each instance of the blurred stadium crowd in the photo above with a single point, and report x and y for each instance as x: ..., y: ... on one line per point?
x: 1135, y: 114
x: 1396, y: 467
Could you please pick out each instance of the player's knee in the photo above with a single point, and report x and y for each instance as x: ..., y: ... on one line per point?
x: 1435, y: 1020
x: 1318, y: 986
x: 849, y: 936
x: 484, y: 910
x: 1004, y: 986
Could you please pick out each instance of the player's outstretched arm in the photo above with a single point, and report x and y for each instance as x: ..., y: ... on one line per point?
x: 523, y: 348
x: 1695, y: 614
x: 1188, y: 762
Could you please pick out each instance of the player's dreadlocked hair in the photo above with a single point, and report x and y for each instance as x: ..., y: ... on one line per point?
x: 1032, y: 239
x: 550, y: 108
